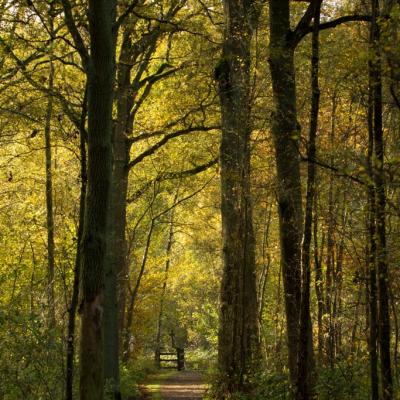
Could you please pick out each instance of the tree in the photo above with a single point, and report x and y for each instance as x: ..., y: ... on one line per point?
x: 380, y: 207
x: 99, y: 66
x: 238, y: 340
x: 286, y: 133
x: 304, y: 389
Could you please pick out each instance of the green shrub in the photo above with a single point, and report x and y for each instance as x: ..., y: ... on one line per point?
x: 346, y: 381
x: 133, y: 374
x: 200, y: 359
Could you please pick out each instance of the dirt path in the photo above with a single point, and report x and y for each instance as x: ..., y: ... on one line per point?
x: 185, y: 385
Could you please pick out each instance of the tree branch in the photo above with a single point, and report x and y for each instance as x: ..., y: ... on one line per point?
x: 337, y: 22
x: 172, y: 175
x: 76, y: 36
x: 166, y: 139
x: 22, y: 68
x: 304, y: 23
x: 334, y: 169
x: 124, y: 15
x: 149, y: 82
x: 183, y: 199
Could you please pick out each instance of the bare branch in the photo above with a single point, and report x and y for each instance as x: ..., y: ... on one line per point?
x: 172, y: 175
x: 182, y: 200
x: 304, y: 23
x: 150, y: 81
x: 76, y: 36
x: 336, y: 22
x: 124, y: 15
x: 150, y: 151
x: 338, y: 172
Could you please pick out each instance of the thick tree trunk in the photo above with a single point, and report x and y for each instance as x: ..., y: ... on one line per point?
x: 116, y: 282
x: 101, y: 71
x: 238, y: 339
x: 286, y: 132
x: 121, y: 149
x: 110, y: 322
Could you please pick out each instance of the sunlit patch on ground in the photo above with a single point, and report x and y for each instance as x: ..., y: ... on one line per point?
x: 177, y: 386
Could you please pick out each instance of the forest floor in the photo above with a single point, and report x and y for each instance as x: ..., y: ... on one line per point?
x: 184, y: 385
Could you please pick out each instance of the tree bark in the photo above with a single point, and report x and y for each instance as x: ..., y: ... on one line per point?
x: 319, y: 284
x: 286, y: 133
x: 337, y: 302
x: 49, y: 204
x: 75, y: 288
x: 101, y: 71
x: 121, y: 147
x: 238, y: 338
x: 330, y: 248
x: 266, y: 264
x: 305, y: 388
x: 372, y: 291
x: 379, y: 181
x: 117, y: 273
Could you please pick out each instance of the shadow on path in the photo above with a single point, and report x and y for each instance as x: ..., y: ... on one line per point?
x: 185, y: 385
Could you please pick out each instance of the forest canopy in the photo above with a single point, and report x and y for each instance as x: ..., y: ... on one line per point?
x: 219, y: 178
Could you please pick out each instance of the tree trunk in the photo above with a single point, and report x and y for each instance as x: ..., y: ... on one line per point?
x: 168, y: 251
x: 117, y: 253
x: 121, y: 147
x: 286, y: 132
x: 371, y: 249
x: 51, y: 263
x: 75, y: 288
x: 372, y: 297
x: 266, y: 264
x: 49, y: 205
x: 337, y: 303
x: 164, y: 287
x: 238, y: 339
x: 330, y: 249
x: 319, y: 284
x: 305, y: 388
x: 379, y: 180
x: 101, y: 71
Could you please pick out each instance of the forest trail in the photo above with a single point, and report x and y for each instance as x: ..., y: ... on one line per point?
x: 185, y: 385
